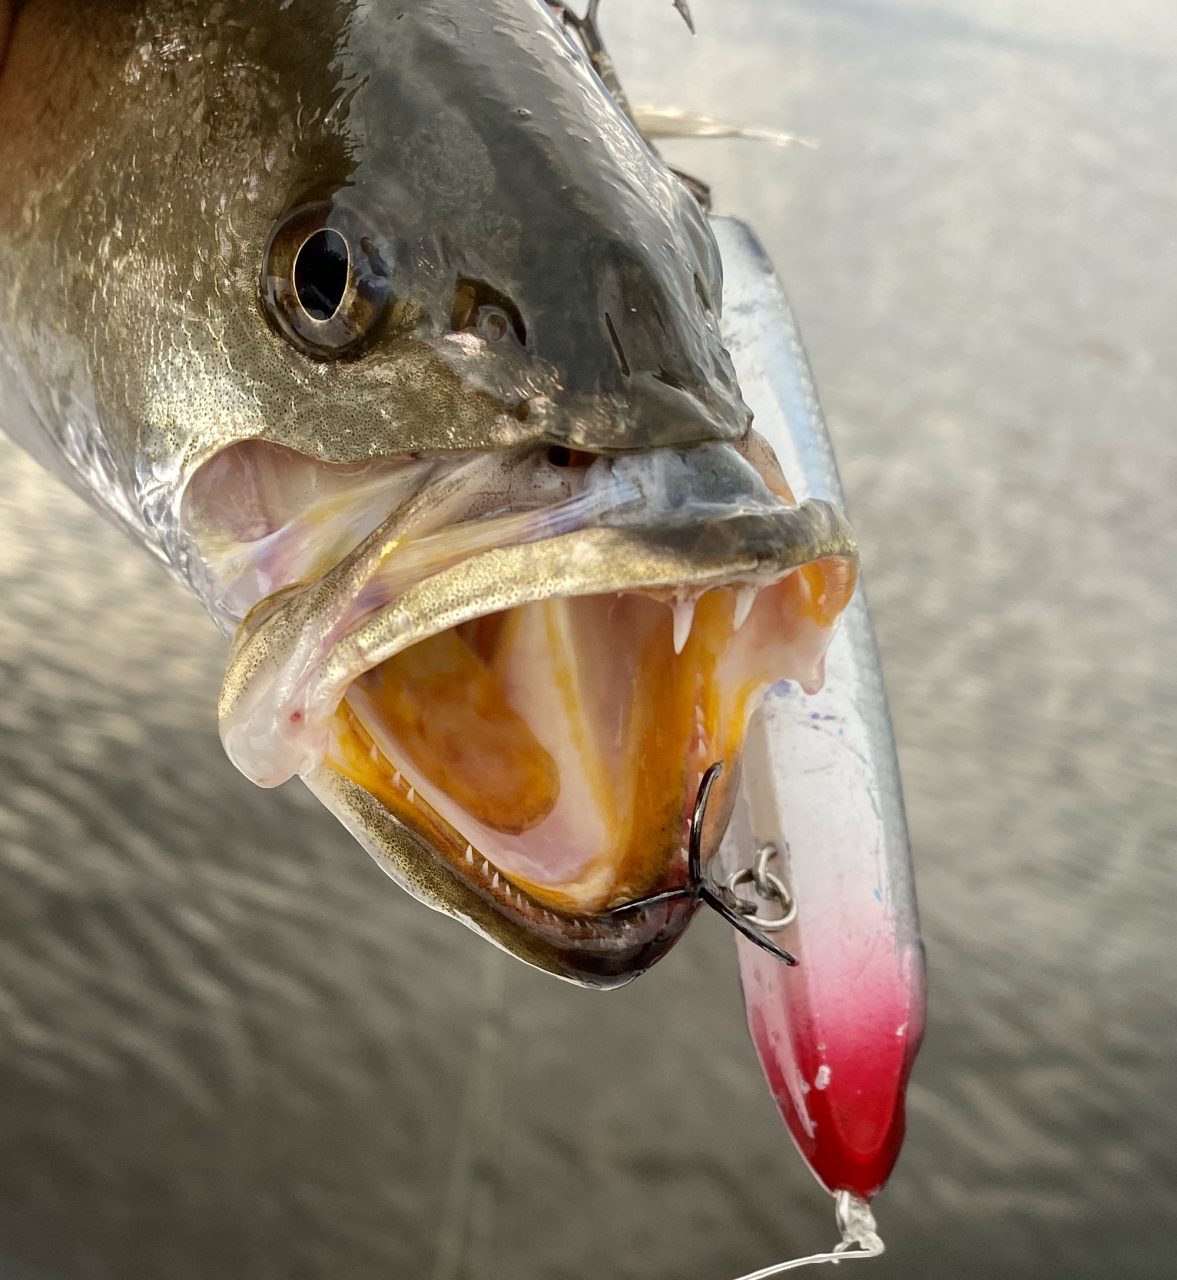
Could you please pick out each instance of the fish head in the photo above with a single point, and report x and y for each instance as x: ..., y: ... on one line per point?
x: 461, y: 242
x: 395, y: 339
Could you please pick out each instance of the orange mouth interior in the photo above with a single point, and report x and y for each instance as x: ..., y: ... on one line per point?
x: 555, y: 749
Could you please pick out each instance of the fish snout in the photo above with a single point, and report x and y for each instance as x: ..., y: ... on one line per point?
x: 639, y: 362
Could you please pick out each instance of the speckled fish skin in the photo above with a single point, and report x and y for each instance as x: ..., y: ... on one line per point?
x: 466, y: 142
x: 133, y: 345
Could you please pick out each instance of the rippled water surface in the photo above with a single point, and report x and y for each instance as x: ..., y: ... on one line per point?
x: 231, y: 1047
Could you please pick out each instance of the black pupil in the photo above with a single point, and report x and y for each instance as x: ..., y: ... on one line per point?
x: 320, y: 274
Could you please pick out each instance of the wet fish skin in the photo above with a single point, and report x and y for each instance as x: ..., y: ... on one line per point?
x: 471, y: 141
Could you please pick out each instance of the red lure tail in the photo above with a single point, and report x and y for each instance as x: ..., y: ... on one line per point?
x: 837, y: 1048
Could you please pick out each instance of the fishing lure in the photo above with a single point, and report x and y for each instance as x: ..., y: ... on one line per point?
x: 822, y: 805
x: 387, y: 331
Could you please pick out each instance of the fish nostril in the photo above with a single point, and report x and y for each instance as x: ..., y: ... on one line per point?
x: 487, y: 311
x: 493, y: 324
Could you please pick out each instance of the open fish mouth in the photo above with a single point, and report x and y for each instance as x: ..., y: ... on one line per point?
x: 510, y: 690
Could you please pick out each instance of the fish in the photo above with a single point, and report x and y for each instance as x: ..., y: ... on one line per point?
x: 387, y: 332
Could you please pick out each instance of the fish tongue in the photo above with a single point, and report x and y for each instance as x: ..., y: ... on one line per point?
x: 445, y: 711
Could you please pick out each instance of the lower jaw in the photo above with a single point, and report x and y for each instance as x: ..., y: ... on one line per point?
x: 604, y: 951
x: 606, y: 719
x: 354, y: 760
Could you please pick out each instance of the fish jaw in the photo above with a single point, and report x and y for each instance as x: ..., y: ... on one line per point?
x: 603, y: 952
x: 512, y: 709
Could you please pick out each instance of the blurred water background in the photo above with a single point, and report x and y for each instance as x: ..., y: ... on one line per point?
x: 231, y: 1047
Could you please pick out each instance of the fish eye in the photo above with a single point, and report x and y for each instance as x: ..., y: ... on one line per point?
x: 324, y: 282
x: 320, y: 273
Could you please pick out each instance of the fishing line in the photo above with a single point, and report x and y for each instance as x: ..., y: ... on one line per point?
x: 856, y: 1224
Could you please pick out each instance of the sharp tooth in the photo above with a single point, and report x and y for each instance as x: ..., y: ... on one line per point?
x: 494, y: 881
x: 469, y: 853
x: 412, y: 795
x: 485, y: 867
x: 375, y: 754
x: 396, y: 777
x: 745, y: 599
x: 684, y: 617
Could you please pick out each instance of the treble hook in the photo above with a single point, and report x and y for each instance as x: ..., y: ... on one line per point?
x: 723, y: 898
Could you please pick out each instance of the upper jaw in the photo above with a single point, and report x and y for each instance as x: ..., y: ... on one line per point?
x: 295, y: 654
x: 676, y: 524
